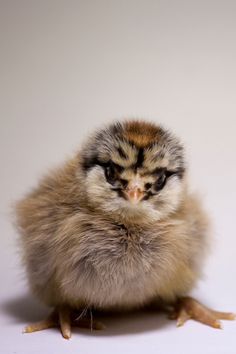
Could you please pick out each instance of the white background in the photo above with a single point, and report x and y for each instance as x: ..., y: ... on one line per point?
x: 67, y: 67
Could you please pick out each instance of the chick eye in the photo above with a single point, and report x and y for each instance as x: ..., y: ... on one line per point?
x: 148, y: 186
x: 160, y: 182
x: 110, y: 173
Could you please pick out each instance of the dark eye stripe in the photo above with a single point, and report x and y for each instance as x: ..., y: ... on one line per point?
x: 179, y: 173
x: 157, y: 171
x: 87, y: 164
x: 168, y: 173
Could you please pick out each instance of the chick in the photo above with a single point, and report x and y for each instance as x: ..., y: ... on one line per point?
x: 116, y: 228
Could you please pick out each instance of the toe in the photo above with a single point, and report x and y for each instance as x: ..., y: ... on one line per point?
x: 182, y: 317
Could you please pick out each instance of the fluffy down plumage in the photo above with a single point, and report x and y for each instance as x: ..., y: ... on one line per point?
x: 85, y: 243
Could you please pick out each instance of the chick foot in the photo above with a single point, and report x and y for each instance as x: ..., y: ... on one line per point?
x: 64, y: 319
x: 188, y: 308
x: 44, y: 324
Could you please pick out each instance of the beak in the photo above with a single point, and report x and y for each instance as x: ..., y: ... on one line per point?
x: 134, y: 195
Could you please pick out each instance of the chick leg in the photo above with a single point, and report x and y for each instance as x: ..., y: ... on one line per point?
x: 188, y: 308
x: 64, y: 319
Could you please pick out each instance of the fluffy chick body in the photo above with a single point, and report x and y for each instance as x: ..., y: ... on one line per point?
x: 84, y: 245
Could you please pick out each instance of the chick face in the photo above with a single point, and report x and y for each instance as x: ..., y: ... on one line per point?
x: 133, y: 170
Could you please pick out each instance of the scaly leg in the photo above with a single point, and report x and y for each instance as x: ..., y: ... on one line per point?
x: 188, y: 308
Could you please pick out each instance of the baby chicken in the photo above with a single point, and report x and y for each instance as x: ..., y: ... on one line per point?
x: 116, y: 228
